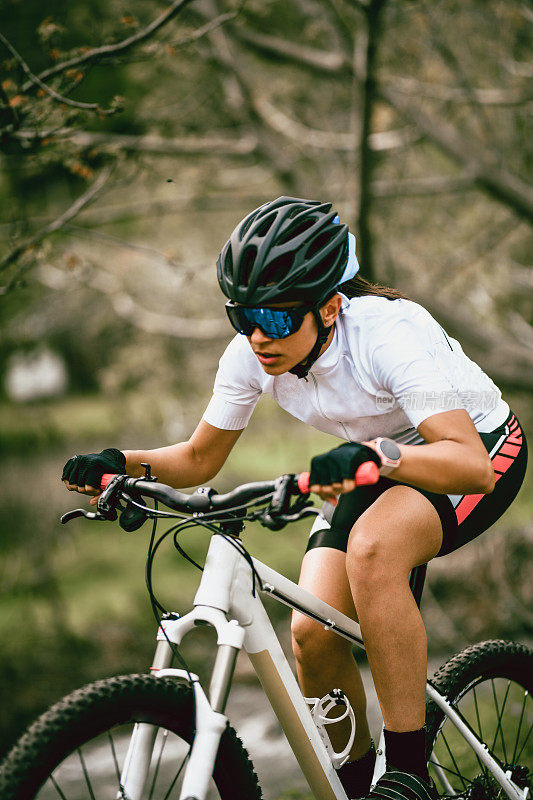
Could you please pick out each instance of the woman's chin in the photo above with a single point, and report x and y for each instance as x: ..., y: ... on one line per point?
x: 275, y: 369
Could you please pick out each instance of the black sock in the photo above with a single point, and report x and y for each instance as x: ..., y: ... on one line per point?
x: 356, y: 776
x: 407, y: 751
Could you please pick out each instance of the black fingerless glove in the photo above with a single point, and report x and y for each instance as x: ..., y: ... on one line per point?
x: 88, y: 470
x: 341, y: 463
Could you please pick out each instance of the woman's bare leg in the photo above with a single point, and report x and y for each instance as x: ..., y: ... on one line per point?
x: 400, y: 530
x: 324, y: 660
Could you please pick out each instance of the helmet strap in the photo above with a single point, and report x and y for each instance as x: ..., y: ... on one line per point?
x: 301, y: 370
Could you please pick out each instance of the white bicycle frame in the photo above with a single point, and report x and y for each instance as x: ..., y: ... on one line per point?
x: 226, y: 600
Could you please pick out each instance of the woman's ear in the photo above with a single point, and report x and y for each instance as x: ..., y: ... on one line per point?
x: 330, y: 310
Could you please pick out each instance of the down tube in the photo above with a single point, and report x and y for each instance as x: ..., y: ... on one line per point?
x: 283, y: 691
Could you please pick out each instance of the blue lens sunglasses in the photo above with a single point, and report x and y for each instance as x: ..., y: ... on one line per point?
x: 276, y: 323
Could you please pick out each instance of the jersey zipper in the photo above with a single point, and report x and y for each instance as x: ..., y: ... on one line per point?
x: 315, y: 384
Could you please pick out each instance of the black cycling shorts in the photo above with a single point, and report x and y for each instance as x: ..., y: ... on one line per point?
x: 463, y: 517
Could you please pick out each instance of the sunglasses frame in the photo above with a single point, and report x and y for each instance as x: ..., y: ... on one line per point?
x: 297, y: 313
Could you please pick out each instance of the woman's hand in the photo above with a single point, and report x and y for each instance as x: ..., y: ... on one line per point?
x: 84, y: 473
x: 333, y: 473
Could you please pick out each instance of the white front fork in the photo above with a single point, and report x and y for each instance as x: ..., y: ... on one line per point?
x: 137, y: 763
x: 209, y: 724
x: 209, y: 727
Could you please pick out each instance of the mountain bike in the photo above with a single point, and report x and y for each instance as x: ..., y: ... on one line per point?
x: 164, y: 735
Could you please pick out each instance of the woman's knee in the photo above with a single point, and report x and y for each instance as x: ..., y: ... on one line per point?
x: 313, y: 645
x: 369, y: 559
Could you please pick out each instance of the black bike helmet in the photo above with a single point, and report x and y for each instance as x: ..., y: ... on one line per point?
x: 287, y: 250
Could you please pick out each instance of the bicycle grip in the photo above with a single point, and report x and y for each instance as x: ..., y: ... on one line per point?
x: 105, y: 480
x: 366, y: 473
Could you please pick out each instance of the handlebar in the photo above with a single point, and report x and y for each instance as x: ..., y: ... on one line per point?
x: 207, y: 501
x: 204, y: 499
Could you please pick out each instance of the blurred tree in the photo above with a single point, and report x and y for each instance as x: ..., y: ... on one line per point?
x: 418, y: 133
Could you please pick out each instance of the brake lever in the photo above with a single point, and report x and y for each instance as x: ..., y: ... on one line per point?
x: 94, y: 515
x: 113, y: 488
x: 275, y: 519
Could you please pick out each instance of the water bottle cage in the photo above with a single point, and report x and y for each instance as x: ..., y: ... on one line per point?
x: 320, y: 709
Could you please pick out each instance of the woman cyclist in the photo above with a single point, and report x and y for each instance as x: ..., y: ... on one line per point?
x: 366, y: 364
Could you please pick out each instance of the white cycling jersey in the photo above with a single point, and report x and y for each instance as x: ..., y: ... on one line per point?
x: 389, y: 367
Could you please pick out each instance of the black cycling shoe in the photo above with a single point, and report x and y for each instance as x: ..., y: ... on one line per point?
x: 397, y: 785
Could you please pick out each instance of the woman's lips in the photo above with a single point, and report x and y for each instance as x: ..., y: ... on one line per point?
x: 267, y: 358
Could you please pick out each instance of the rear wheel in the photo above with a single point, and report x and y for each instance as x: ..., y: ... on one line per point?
x: 75, y: 751
x: 490, y: 684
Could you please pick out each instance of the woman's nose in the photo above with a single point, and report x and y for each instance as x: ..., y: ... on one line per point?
x: 258, y: 337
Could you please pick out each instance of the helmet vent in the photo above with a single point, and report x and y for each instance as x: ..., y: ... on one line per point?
x: 277, y: 269
x: 247, y: 263
x: 296, y: 230
x: 320, y: 242
x: 265, y: 225
x: 228, y: 261
x: 247, y: 224
x: 322, y: 268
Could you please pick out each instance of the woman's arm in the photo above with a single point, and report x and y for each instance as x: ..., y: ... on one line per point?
x: 187, y: 463
x: 454, y: 461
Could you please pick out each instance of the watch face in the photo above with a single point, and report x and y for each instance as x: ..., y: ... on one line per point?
x: 390, y: 449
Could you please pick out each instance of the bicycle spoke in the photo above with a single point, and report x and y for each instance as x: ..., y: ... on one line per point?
x: 477, y: 715
x: 117, y: 770
x: 112, y: 744
x: 526, y: 695
x: 57, y: 788
x: 499, y: 715
x: 525, y: 742
x: 177, y: 775
x: 442, y: 778
x: 451, y: 771
x: 453, y: 760
x: 156, y: 772
x: 86, y: 774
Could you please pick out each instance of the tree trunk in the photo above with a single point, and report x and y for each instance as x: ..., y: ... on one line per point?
x: 367, y: 158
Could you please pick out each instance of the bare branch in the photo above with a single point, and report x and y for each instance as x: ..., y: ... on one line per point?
x: 488, y: 97
x: 520, y: 69
x: 521, y: 328
x: 187, y: 269
x: 128, y: 307
x: 243, y: 90
x: 322, y: 61
x: 52, y: 227
x: 342, y: 25
x: 422, y: 187
x: 329, y: 140
x: 36, y: 81
x: 522, y: 276
x: 107, y: 50
x: 205, y: 29
x: 213, y: 145
x: 508, y: 189
x: 450, y: 59
x: 485, y: 240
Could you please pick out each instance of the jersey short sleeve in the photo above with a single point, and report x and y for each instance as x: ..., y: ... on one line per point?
x: 235, y: 392
x: 408, y: 369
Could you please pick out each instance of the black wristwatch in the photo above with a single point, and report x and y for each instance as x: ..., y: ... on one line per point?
x: 390, y: 454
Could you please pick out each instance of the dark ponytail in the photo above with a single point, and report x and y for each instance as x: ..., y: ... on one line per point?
x: 360, y: 287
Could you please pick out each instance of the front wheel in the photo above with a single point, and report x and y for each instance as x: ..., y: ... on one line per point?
x: 75, y: 750
x: 490, y: 684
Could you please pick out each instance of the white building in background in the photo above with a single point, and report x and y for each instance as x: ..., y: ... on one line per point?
x: 35, y: 375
